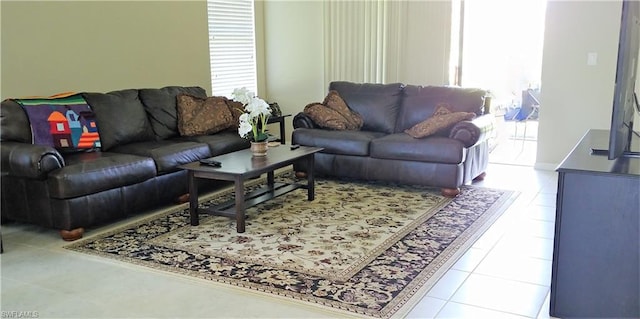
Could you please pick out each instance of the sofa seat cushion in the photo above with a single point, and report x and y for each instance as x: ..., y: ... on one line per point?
x: 168, y: 155
x: 93, y: 172
x: 336, y: 142
x: 219, y: 143
x: 435, y: 149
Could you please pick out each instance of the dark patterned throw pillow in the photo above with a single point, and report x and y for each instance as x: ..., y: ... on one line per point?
x: 334, y: 113
x: 334, y: 101
x: 441, y: 120
x: 325, y: 117
x: 202, y: 116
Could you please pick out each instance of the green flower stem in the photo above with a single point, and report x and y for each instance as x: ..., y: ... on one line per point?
x: 264, y: 118
x: 254, y: 129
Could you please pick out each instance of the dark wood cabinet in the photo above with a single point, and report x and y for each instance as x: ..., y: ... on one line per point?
x: 596, y: 269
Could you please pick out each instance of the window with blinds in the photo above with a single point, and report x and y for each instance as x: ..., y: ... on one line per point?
x: 232, y: 46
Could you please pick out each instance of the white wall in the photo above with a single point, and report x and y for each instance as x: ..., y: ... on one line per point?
x: 50, y: 47
x: 575, y: 96
x: 294, y: 55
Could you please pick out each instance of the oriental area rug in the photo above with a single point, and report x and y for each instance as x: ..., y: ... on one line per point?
x: 360, y: 248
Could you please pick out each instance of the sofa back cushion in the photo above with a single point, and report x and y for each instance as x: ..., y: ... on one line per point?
x: 14, y: 124
x: 121, y: 117
x: 378, y: 104
x: 160, y: 105
x: 419, y: 103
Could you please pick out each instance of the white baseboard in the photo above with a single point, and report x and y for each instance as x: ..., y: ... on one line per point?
x: 546, y: 166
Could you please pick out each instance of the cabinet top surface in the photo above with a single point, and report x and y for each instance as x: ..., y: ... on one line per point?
x: 581, y: 159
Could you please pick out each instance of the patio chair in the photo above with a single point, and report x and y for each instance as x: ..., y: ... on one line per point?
x: 528, y: 111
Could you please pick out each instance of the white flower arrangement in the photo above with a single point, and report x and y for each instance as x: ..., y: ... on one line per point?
x: 253, y: 122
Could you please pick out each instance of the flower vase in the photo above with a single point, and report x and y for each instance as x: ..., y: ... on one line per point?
x: 259, y: 148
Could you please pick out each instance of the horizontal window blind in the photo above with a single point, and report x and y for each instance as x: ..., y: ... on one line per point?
x: 232, y: 46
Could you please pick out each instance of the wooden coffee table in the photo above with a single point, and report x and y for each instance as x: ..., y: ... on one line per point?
x: 240, y: 166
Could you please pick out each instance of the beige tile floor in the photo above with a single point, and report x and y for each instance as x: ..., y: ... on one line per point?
x: 506, y: 274
x: 511, y: 144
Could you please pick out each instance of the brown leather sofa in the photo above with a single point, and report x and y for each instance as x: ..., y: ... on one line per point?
x: 382, y: 151
x: 135, y: 170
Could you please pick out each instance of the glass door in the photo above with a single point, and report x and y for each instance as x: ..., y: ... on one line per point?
x: 501, y: 50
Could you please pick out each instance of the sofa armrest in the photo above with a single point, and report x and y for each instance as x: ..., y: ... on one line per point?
x: 474, y: 131
x: 29, y: 160
x: 302, y: 120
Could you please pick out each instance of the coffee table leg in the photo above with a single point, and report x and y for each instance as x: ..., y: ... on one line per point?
x: 310, y: 178
x: 270, y: 179
x: 239, y: 196
x: 282, y: 134
x: 193, y: 200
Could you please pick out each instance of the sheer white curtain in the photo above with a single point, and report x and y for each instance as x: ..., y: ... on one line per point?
x: 363, y: 40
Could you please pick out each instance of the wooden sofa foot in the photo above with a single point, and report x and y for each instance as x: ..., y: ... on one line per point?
x: 184, y: 198
x: 71, y: 235
x: 480, y: 177
x: 301, y: 174
x: 450, y: 192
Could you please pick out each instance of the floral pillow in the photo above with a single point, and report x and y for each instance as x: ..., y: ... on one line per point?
x: 441, y: 120
x: 202, y: 116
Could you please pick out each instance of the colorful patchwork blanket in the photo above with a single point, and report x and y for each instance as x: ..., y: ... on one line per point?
x: 65, y: 122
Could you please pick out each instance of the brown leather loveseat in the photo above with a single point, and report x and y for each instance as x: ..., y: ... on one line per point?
x: 381, y: 150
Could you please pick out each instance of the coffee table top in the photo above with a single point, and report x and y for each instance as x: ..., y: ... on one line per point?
x: 244, y: 163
